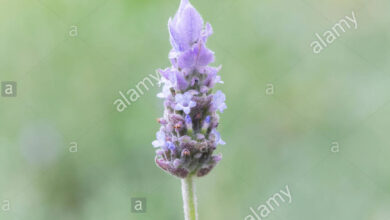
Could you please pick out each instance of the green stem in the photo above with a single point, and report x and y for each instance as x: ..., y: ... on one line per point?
x: 189, y: 199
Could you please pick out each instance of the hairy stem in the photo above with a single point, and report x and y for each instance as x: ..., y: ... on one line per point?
x: 189, y: 199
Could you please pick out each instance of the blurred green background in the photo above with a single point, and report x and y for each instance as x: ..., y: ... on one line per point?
x: 66, y: 86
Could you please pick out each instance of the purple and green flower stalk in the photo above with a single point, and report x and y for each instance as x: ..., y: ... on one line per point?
x: 188, y: 135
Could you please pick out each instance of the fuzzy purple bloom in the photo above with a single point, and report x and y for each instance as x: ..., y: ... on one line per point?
x: 184, y: 102
x: 218, y: 102
x: 160, y: 142
x: 188, y: 137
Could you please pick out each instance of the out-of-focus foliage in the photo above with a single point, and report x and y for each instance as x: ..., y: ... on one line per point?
x: 67, y: 86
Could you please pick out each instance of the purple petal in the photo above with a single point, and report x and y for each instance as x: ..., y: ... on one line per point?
x: 171, y: 146
x: 189, y: 25
x: 218, y: 101
x: 217, y: 136
x: 187, y: 59
x: 188, y: 119
x: 206, y: 32
x: 211, y: 75
x: 181, y: 82
x: 192, y: 104
x: 187, y: 110
x: 205, y: 55
x: 217, y: 158
x: 173, y: 35
x: 186, y: 27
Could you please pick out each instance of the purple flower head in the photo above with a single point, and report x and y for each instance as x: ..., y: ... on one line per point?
x: 188, y: 136
x: 184, y: 102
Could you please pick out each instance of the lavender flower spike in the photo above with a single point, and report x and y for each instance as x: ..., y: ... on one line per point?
x: 190, y: 117
x: 188, y: 135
